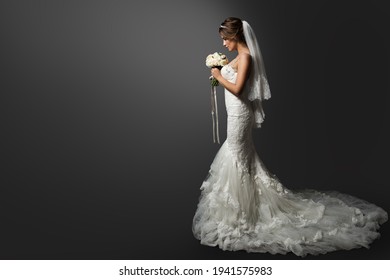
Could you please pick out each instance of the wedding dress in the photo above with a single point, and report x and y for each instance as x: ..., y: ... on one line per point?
x: 245, y: 207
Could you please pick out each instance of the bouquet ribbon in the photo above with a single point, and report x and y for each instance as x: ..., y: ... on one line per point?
x: 214, y: 113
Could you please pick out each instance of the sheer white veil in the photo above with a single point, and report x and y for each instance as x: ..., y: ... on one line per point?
x: 257, y: 84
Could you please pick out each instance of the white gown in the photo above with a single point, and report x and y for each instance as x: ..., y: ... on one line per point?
x: 244, y: 207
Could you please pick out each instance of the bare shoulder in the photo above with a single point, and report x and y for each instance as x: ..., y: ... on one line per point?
x: 245, y: 55
x: 244, y: 60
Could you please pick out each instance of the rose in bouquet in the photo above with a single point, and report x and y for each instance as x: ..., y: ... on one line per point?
x: 216, y: 60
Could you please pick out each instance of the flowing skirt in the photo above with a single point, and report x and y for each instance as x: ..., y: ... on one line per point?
x: 244, y: 207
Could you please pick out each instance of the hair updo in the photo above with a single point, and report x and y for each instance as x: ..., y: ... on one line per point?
x: 231, y: 28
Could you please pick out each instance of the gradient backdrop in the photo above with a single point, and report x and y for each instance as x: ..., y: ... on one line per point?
x: 106, y: 128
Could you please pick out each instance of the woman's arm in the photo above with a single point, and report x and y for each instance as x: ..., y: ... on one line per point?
x: 242, y: 74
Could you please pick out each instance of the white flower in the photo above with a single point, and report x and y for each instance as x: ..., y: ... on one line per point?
x: 216, y: 59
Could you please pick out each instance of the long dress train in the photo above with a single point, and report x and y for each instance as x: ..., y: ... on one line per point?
x: 245, y: 207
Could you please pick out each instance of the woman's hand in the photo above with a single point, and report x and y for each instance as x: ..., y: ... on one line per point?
x: 215, y: 72
x: 242, y: 75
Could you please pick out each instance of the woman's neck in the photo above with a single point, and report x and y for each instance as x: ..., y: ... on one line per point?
x: 242, y: 48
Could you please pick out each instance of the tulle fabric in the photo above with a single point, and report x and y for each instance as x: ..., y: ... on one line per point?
x: 257, y: 85
x: 243, y: 206
x: 239, y: 211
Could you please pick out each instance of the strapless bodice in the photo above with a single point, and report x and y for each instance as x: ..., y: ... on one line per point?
x: 229, y: 73
x: 235, y: 105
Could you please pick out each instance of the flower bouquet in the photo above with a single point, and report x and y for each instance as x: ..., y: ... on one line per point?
x: 216, y: 60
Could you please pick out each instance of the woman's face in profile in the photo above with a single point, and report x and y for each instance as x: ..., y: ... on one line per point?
x: 230, y: 44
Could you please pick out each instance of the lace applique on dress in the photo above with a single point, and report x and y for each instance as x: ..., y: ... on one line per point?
x: 245, y: 207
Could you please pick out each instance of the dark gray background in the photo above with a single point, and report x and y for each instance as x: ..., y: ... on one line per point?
x: 106, y: 127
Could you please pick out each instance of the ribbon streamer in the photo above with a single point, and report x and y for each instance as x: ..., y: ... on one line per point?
x: 214, y: 113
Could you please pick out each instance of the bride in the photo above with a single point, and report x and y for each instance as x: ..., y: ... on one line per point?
x: 243, y: 206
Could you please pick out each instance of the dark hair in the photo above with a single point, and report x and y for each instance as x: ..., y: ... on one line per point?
x: 231, y: 28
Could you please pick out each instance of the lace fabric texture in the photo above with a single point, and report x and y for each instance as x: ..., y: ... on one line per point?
x: 257, y: 85
x: 243, y: 206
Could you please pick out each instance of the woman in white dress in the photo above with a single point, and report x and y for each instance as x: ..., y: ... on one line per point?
x: 245, y: 207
